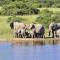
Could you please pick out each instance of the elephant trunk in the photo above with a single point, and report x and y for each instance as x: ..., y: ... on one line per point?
x: 49, y: 33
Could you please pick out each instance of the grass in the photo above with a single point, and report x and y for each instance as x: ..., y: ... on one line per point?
x: 51, y: 9
x: 4, y: 28
x: 6, y: 32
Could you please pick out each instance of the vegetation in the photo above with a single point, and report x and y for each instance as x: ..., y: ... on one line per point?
x: 5, y: 30
x: 14, y: 18
x: 27, y: 11
x: 37, y: 3
x: 26, y: 7
x: 19, y: 8
x: 46, y: 17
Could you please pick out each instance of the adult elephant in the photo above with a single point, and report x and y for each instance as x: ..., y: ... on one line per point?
x: 30, y: 30
x: 18, y: 28
x: 36, y: 30
x: 39, y: 30
x: 58, y: 33
x: 53, y: 27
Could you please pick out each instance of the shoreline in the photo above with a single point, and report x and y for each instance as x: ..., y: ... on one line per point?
x: 32, y: 41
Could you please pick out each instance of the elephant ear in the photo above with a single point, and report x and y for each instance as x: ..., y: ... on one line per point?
x: 32, y: 27
x: 54, y: 27
x: 12, y: 25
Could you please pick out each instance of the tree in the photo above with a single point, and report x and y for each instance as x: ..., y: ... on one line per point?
x: 44, y: 17
x: 19, y: 8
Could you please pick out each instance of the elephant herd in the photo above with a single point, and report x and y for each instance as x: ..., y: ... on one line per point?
x: 33, y: 30
x: 54, y: 30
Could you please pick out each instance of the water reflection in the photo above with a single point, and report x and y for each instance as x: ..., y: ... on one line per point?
x: 22, y: 52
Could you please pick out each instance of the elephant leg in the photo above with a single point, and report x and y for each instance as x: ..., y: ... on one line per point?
x: 19, y: 35
x: 33, y: 35
x: 56, y: 34
x: 16, y: 35
x: 52, y: 34
x: 23, y: 35
x: 38, y: 35
x: 49, y: 33
x: 42, y: 36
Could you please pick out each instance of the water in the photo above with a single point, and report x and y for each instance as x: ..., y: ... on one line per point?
x: 15, y: 52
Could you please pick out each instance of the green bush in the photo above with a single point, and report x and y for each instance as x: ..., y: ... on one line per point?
x: 19, y: 8
x: 14, y: 18
x: 35, y: 3
x: 46, y: 17
x: 4, y: 2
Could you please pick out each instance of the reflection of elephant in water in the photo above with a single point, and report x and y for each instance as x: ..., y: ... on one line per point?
x: 53, y: 27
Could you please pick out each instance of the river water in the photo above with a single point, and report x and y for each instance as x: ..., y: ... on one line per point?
x: 29, y: 52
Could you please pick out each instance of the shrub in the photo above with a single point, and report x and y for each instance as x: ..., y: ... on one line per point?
x: 46, y: 17
x: 14, y: 18
x: 19, y: 8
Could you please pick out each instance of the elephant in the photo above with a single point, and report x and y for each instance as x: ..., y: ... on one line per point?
x: 29, y: 30
x: 36, y: 30
x: 39, y: 30
x: 53, y: 27
x: 18, y: 28
x: 58, y: 33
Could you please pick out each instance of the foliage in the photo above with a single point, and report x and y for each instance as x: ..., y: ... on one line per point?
x: 46, y: 17
x: 14, y: 18
x: 36, y: 3
x: 25, y: 7
x: 19, y: 8
x: 4, y: 2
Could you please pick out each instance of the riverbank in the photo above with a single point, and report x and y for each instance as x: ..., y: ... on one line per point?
x: 32, y: 41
